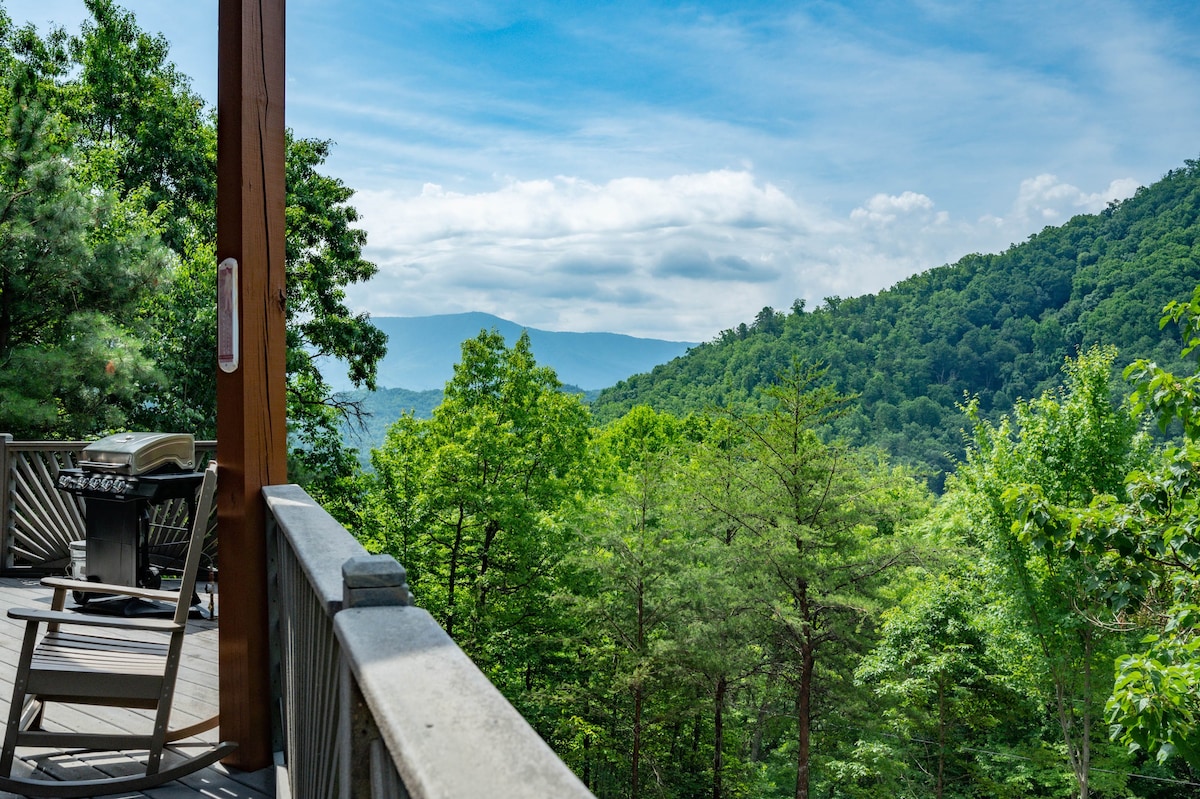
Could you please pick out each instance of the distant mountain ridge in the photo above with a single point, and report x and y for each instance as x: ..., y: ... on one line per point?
x: 422, y: 351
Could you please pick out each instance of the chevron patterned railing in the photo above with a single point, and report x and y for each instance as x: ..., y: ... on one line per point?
x: 38, y: 522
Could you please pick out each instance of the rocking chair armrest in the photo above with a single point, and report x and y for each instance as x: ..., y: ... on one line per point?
x: 81, y: 620
x: 85, y: 586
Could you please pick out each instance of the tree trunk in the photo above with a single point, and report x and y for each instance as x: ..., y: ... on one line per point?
x: 489, y: 537
x: 452, y: 576
x: 804, y: 720
x: 676, y: 733
x: 805, y: 636
x: 587, y: 763
x: 719, y: 734
x: 941, y: 756
x: 638, y: 693
x: 5, y: 320
x: 1077, y: 739
x: 636, y: 756
x: 760, y: 722
x: 1085, y: 749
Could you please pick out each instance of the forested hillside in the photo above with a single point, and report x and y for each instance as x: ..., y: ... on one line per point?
x: 729, y: 605
x: 996, y: 327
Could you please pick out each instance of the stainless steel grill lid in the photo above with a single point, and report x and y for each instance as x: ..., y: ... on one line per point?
x: 140, y: 453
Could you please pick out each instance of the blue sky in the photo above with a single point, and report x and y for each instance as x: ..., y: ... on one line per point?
x: 668, y: 169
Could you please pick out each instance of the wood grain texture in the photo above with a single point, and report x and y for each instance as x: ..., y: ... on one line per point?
x: 251, y: 405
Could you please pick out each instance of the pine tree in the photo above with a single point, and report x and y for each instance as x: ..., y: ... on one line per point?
x: 73, y: 264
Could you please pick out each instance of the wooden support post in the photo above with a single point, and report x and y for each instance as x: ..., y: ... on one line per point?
x: 251, y: 408
x: 6, y: 518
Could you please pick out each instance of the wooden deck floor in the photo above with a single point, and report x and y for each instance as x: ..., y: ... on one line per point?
x: 196, y: 700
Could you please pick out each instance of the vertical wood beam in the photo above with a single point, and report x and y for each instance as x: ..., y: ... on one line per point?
x: 251, y: 408
x: 6, y: 519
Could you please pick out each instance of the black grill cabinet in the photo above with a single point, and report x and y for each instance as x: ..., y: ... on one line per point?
x: 119, y: 478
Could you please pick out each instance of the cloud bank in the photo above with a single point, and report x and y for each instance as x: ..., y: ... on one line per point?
x: 680, y: 257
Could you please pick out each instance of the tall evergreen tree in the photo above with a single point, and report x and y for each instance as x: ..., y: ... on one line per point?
x: 817, y: 519
x: 74, y: 263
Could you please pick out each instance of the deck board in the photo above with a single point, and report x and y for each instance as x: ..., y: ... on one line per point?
x: 196, y: 698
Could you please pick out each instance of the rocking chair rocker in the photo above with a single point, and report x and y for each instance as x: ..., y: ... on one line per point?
x: 96, y: 669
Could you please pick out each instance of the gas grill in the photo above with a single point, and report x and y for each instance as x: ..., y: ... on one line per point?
x: 120, y: 477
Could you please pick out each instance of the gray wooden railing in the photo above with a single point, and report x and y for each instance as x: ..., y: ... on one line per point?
x: 375, y: 699
x: 38, y: 522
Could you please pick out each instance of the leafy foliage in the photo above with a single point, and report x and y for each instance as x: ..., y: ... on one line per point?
x: 935, y: 672
x: 734, y: 604
x: 1066, y: 446
x: 696, y: 566
x: 1143, y: 541
x: 137, y: 124
x: 472, y: 501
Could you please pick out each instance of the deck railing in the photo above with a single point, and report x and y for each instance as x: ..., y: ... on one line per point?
x: 374, y: 699
x: 38, y: 522
x: 360, y: 665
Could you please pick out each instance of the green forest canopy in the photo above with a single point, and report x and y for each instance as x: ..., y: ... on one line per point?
x: 728, y: 604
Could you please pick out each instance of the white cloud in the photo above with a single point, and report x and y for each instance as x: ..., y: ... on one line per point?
x: 680, y: 257
x: 635, y: 254
x: 1046, y: 197
x: 884, y: 209
x: 568, y: 208
x: 1045, y: 200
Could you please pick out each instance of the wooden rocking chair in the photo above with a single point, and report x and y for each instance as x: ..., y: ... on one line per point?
x: 90, y: 667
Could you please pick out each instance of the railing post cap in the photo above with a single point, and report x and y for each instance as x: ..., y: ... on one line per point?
x: 373, y: 580
x: 373, y: 571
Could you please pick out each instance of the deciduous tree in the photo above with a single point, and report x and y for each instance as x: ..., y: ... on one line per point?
x: 1065, y: 447
x: 482, y: 484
